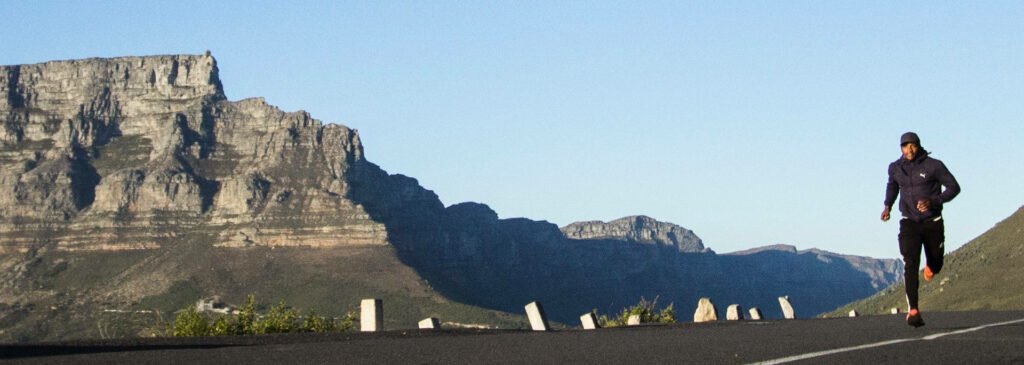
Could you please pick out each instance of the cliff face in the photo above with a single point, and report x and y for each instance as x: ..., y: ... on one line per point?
x: 639, y: 229
x: 133, y: 183
x: 100, y: 154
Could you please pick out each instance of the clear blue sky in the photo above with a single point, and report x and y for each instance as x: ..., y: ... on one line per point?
x: 751, y: 123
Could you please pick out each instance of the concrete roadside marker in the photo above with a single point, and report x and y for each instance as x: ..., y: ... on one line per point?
x: 589, y: 321
x: 853, y: 313
x: 734, y: 313
x: 755, y: 314
x: 538, y: 321
x: 371, y: 318
x: 634, y: 320
x: 787, y: 308
x: 430, y: 323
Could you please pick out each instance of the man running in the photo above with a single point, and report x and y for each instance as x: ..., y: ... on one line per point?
x: 923, y: 185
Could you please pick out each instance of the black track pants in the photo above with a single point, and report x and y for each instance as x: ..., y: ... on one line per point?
x: 929, y: 234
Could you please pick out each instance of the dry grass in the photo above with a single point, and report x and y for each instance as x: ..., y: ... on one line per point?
x: 984, y: 274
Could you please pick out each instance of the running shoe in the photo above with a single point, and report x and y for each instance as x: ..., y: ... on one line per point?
x: 914, y: 318
x: 928, y: 274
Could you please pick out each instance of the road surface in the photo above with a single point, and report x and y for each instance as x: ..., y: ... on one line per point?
x: 948, y: 338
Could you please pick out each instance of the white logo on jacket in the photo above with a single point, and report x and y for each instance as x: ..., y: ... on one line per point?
x: 922, y: 175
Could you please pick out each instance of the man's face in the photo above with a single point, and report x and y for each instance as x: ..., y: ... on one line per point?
x: 910, y: 150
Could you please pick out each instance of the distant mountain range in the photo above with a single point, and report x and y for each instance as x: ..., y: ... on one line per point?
x: 983, y: 274
x: 132, y: 184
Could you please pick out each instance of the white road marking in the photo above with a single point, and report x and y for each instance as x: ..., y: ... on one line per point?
x: 812, y: 355
x: 937, y: 335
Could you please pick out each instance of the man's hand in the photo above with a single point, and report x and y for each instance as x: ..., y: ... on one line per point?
x: 885, y: 214
x: 924, y: 205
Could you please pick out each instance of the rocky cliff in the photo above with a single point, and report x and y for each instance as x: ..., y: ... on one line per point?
x: 116, y: 154
x: 134, y: 183
x: 640, y: 229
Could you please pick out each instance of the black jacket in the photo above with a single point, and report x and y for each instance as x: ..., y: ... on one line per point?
x: 922, y: 177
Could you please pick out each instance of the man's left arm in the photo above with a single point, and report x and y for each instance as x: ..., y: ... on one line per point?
x: 951, y: 187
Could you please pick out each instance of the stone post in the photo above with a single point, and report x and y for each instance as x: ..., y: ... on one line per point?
x: 853, y: 313
x: 589, y: 321
x: 634, y: 320
x: 430, y: 323
x: 755, y: 314
x: 371, y: 318
x: 538, y: 321
x: 894, y: 310
x: 706, y: 311
x: 787, y: 309
x: 734, y: 313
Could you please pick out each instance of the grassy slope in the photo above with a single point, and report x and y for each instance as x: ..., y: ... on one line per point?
x: 984, y: 274
x: 330, y: 281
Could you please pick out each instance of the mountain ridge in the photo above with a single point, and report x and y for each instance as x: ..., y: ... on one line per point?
x: 638, y: 228
x: 134, y: 182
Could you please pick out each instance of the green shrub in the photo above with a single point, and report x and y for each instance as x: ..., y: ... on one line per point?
x: 280, y: 319
x: 647, y: 312
x: 190, y: 323
x: 348, y: 322
x: 315, y: 323
x: 245, y: 322
x: 223, y: 327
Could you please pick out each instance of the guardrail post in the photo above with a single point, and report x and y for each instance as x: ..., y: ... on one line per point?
x: 430, y: 323
x: 755, y: 314
x: 633, y: 320
x: 734, y: 313
x: 589, y: 321
x: 787, y: 308
x: 538, y: 321
x: 371, y: 318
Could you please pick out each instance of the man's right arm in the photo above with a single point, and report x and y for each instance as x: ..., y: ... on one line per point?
x: 892, y: 190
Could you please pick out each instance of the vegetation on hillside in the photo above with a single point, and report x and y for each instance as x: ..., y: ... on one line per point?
x: 647, y: 311
x: 279, y: 319
x: 980, y: 275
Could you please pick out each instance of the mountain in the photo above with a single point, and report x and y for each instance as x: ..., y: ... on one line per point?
x: 132, y: 184
x: 640, y: 229
x: 980, y: 275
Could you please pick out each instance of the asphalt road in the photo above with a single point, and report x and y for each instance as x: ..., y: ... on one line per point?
x: 948, y: 338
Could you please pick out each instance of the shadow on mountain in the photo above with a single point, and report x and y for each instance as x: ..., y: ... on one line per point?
x: 469, y: 255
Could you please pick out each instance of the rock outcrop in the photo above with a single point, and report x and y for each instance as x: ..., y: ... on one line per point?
x: 114, y: 154
x: 706, y: 311
x: 640, y: 229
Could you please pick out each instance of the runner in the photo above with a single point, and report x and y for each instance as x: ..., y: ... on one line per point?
x: 923, y: 185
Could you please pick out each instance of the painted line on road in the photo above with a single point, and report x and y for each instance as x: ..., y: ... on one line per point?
x: 937, y: 335
x: 812, y: 355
